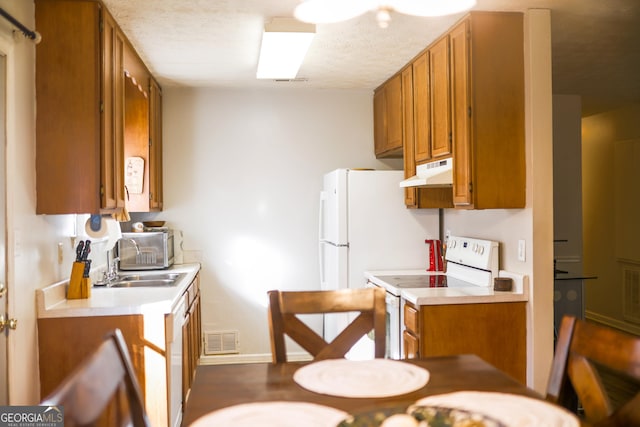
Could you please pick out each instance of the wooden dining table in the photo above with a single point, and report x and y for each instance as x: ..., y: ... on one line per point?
x: 220, y: 386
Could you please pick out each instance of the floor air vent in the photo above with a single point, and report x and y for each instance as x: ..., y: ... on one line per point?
x: 221, y: 342
x: 631, y: 283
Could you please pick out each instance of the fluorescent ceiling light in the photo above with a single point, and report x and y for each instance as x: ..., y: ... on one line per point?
x: 330, y: 11
x: 285, y: 43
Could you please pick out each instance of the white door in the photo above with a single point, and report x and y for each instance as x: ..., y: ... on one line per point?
x: 4, y: 383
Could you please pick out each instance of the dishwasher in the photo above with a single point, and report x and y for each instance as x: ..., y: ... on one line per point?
x: 174, y: 323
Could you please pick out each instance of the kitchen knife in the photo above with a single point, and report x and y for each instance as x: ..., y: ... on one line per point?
x: 79, y: 250
x: 86, y: 250
x: 87, y: 268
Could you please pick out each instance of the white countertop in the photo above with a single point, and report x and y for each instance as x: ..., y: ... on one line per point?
x: 51, y: 301
x: 458, y: 295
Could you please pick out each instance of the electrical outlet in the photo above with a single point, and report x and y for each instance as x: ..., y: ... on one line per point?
x: 521, y: 250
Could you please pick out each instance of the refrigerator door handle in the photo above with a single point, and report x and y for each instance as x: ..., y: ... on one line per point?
x: 321, y: 257
x: 322, y: 265
x: 323, y: 197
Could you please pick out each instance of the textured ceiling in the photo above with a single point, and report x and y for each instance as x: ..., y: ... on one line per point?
x: 215, y: 43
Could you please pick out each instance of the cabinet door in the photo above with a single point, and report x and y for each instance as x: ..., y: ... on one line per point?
x: 387, y: 107
x: 411, y: 345
x: 440, y: 98
x: 407, y: 132
x: 379, y: 121
x: 112, y: 144
x: 421, y: 111
x: 393, y: 98
x: 68, y: 134
x: 155, y: 149
x: 186, y: 358
x: 461, y: 112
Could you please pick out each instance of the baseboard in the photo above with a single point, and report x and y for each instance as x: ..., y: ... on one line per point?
x: 614, y: 323
x: 231, y: 359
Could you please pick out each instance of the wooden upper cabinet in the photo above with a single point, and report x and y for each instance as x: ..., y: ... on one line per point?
x: 155, y: 147
x: 487, y: 87
x: 439, y: 197
x: 408, y: 135
x: 136, y: 133
x: 379, y: 121
x: 421, y: 109
x: 387, y: 101
x: 462, y: 182
x: 143, y: 136
x: 77, y: 144
x: 81, y: 120
x: 440, y: 98
x: 112, y: 142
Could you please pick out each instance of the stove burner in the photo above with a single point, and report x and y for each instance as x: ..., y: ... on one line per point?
x: 427, y: 281
x: 417, y: 281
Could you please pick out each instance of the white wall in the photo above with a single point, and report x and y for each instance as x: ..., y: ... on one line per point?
x: 32, y: 240
x: 243, y: 171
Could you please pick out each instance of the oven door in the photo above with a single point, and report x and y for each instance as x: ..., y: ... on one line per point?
x: 394, y: 340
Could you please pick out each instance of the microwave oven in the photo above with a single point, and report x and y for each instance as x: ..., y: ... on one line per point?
x: 149, y: 250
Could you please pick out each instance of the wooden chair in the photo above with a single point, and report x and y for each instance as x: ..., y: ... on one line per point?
x: 284, y: 306
x: 584, y: 352
x: 102, y: 390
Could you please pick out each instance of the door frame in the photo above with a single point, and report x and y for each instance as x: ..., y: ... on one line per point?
x: 7, y: 49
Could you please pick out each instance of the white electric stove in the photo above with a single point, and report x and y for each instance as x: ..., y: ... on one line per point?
x: 470, y: 263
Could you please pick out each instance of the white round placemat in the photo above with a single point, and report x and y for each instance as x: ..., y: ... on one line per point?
x: 361, y: 378
x: 510, y: 409
x: 272, y: 414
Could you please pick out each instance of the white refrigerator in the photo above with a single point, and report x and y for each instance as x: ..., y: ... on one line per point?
x: 364, y: 225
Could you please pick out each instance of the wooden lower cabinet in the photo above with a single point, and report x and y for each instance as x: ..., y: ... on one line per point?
x: 66, y: 341
x: 192, y: 338
x: 494, y: 331
x: 153, y: 341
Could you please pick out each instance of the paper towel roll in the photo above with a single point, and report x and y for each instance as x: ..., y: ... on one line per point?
x: 100, y: 233
x: 109, y: 230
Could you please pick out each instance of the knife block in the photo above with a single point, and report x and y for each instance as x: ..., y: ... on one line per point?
x: 76, y: 288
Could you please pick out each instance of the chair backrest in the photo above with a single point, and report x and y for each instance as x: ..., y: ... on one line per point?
x: 103, y: 389
x: 284, y: 306
x: 584, y: 351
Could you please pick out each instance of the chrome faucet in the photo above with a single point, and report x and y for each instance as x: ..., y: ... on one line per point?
x: 112, y: 268
x: 112, y: 263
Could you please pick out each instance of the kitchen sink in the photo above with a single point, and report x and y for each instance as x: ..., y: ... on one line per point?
x: 154, y: 276
x: 146, y: 280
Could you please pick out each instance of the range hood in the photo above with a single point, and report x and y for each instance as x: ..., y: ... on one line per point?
x: 433, y: 174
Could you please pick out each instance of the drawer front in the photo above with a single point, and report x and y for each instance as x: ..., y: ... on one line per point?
x: 411, y: 345
x: 411, y: 319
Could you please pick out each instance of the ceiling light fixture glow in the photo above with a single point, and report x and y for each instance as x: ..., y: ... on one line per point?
x: 330, y: 11
x: 285, y: 42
